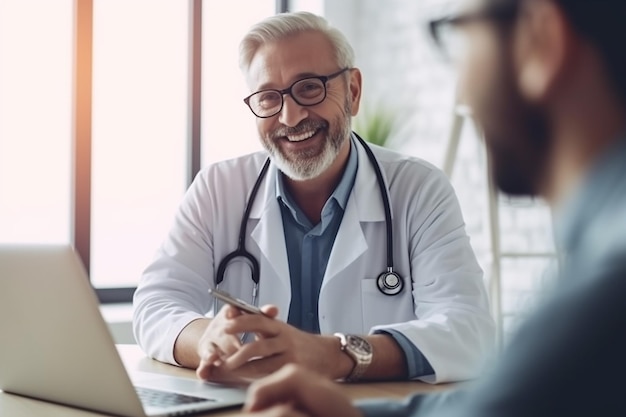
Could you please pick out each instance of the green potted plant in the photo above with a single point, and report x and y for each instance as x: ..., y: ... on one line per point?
x: 375, y: 125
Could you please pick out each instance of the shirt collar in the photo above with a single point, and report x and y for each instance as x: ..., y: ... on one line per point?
x: 341, y: 192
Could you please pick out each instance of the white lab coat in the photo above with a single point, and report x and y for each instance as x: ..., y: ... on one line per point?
x: 443, y: 309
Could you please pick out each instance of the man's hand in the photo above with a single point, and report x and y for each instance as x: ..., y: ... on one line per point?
x: 276, y: 344
x: 294, y: 391
x: 216, y: 344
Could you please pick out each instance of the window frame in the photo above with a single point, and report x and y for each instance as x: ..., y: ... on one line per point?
x: 82, y: 101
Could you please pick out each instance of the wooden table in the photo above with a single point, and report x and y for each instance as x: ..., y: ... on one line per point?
x: 134, y: 359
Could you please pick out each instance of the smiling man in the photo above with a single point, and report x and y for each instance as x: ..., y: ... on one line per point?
x: 546, y: 80
x: 358, y: 255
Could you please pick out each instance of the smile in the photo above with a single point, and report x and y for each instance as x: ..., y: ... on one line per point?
x: 302, y: 136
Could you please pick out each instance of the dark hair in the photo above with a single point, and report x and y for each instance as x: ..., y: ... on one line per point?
x: 603, y: 23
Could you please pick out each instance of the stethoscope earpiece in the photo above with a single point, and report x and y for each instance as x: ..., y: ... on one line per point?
x: 389, y: 283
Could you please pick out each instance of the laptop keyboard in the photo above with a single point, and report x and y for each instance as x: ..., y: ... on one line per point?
x: 156, y: 398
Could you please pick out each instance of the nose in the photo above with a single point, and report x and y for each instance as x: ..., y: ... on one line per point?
x: 292, y: 113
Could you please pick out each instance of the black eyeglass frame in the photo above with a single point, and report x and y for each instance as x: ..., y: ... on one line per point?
x: 323, y: 78
x: 503, y: 11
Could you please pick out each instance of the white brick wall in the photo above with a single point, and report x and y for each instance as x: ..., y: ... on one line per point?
x: 403, y: 72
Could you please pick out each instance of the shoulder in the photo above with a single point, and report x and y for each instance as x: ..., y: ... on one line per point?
x: 414, y: 180
x: 398, y: 166
x: 568, y: 355
x: 236, y: 172
x: 226, y: 177
x: 394, y: 159
x: 246, y: 164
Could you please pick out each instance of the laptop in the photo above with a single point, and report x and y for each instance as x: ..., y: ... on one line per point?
x: 57, y: 347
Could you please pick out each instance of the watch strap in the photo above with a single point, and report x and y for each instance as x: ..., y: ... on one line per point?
x: 362, y: 361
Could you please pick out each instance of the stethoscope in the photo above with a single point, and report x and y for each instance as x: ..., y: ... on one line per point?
x: 388, y: 282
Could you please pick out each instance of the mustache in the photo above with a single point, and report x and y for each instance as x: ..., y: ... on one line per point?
x: 304, y: 126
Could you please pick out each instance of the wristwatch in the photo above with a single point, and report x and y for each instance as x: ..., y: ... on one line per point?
x: 359, y: 350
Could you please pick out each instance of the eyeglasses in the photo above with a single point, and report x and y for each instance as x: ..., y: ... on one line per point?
x: 306, y: 92
x: 449, y: 40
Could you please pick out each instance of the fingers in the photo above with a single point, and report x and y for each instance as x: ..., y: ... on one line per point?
x: 221, y: 340
x: 263, y: 349
x: 303, y: 390
x: 230, y: 312
x: 237, y: 322
x: 213, y: 357
x: 277, y: 388
x: 251, y: 362
x: 216, y: 340
x: 291, y: 384
x: 256, y: 368
x: 270, y: 310
x: 254, y: 323
x: 281, y: 410
x: 216, y: 344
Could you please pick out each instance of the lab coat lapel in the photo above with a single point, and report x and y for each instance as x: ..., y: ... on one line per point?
x: 363, y: 206
x: 349, y: 244
x: 268, y: 234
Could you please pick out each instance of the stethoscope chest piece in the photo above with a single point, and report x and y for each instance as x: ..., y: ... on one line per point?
x: 390, y: 283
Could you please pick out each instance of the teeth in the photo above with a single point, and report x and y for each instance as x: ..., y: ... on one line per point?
x: 301, y: 136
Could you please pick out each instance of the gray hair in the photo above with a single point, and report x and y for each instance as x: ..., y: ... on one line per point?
x: 283, y: 25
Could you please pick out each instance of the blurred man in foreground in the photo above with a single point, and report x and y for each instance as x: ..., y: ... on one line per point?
x: 546, y: 80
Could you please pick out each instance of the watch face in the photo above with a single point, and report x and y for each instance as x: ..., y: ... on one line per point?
x: 359, y: 344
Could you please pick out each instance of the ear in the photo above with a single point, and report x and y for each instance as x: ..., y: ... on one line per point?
x: 542, y: 48
x: 355, y: 90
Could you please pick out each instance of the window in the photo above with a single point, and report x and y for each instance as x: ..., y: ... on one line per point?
x: 140, y: 121
x: 139, y: 128
x: 228, y: 127
x: 35, y: 120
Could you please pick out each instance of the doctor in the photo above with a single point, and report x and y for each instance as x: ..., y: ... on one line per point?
x: 342, y: 294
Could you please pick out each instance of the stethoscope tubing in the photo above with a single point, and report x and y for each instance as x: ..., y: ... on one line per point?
x: 241, y: 252
x: 386, y: 205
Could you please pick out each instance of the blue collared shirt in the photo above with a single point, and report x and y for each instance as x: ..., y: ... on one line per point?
x: 308, y: 251
x: 309, y: 245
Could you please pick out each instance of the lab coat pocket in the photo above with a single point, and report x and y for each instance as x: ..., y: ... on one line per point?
x: 378, y: 308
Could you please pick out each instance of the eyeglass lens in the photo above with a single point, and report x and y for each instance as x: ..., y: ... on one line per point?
x: 307, y: 92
